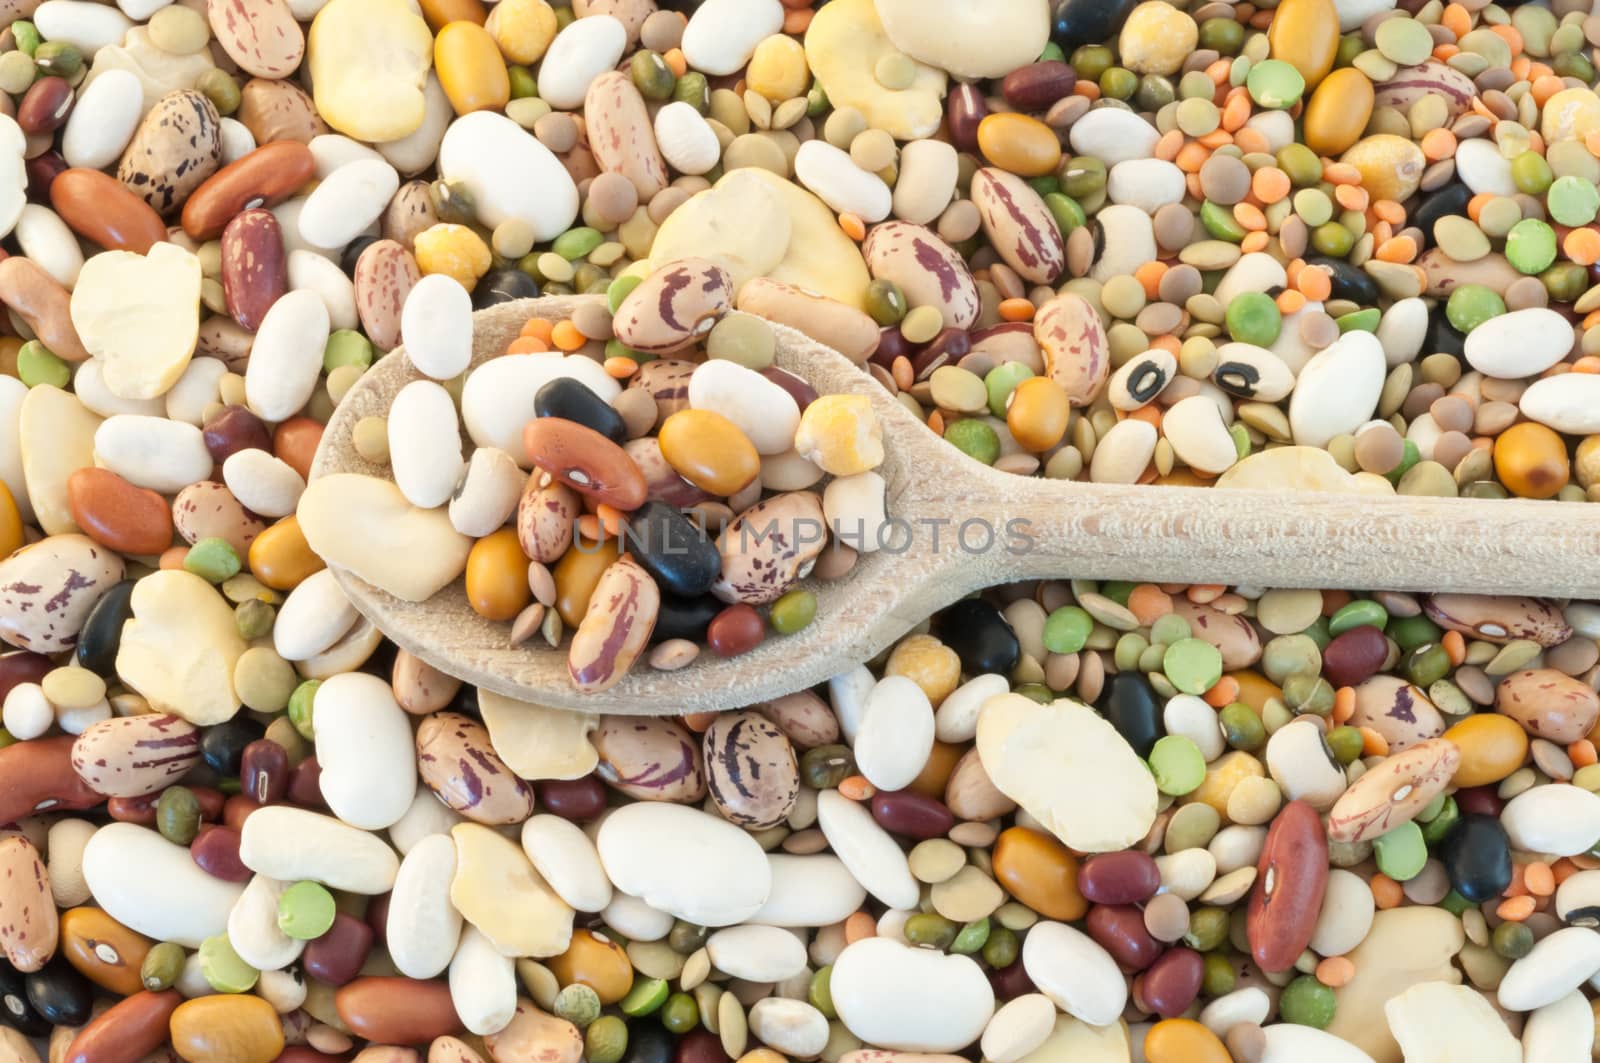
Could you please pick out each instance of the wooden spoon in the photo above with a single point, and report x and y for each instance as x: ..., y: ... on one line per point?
x: 1077, y: 530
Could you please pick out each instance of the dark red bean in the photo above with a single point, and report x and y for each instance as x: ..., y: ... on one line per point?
x: 799, y: 390
x: 892, y: 344
x: 264, y: 771
x: 45, y: 106
x: 305, y: 784
x: 1172, y: 982
x: 233, y: 429
x: 700, y: 1046
x: 965, y: 109
x: 1119, y: 878
x: 216, y: 850
x: 1036, y: 86
x: 948, y: 347
x: 1119, y: 929
x: 42, y: 171
x: 336, y: 957
x: 737, y: 629
x: 1010, y: 982
x: 1354, y: 656
x: 911, y: 814
x: 378, y: 919
x: 574, y: 799
x: 23, y: 666
x: 1479, y: 801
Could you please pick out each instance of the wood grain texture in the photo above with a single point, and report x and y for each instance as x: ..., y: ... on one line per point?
x: 1095, y: 531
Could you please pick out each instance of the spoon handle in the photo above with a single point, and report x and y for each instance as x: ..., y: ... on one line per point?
x: 1267, y: 538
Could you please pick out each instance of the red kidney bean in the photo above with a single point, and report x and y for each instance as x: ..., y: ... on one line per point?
x: 1120, y: 930
x: 142, y: 810
x: 45, y: 106
x: 127, y: 1031
x: 1354, y: 656
x: 401, y: 1011
x: 965, y: 109
x: 264, y: 771
x: 1036, y: 86
x: 305, y: 784
x: 1010, y: 982
x: 255, y: 266
x: 1290, y: 879
x: 700, y: 1046
x: 574, y: 799
x: 336, y: 957
x: 737, y: 629
x: 216, y: 850
x: 378, y: 919
x: 1480, y: 801
x: 233, y: 429
x: 23, y: 666
x: 38, y: 777
x: 911, y: 814
x: 1172, y: 982
x: 1119, y: 878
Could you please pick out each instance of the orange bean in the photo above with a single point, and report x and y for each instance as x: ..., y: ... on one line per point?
x: 1167, y: 343
x: 1016, y: 309
x: 676, y: 60
x: 1582, y: 753
x: 1253, y: 242
x: 1149, y: 603
x: 699, y: 722
x: 1269, y: 184
x: 1563, y: 869
x: 1351, y: 197
x: 1397, y: 249
x: 1315, y: 284
x: 1582, y: 246
x: 527, y: 345
x: 1373, y: 744
x: 853, y: 227
x: 1191, y: 157
x: 1087, y: 89
x: 1457, y: 19
x: 1289, y: 300
x: 1455, y: 645
x: 936, y: 422
x: 1148, y: 414
x: 1336, y: 971
x: 620, y: 367
x: 566, y: 336
x: 1438, y: 144
x: 1386, y: 892
x: 1344, y: 704
x: 1251, y: 141
x: 1217, y: 138
x: 1334, y: 600
x: 1587, y: 364
x: 1224, y: 692
x: 172, y: 556
x: 1149, y: 277
x: 1540, y: 880
x: 538, y: 326
x: 1389, y: 211
x: 904, y: 376
x: 1249, y: 216
x: 1510, y: 35
x: 1341, y: 173
x: 859, y: 925
x: 1168, y: 146
x: 1236, y: 112
x: 856, y: 788
x: 1522, y: 68
x: 1444, y: 52
x: 589, y: 526
x: 1516, y: 909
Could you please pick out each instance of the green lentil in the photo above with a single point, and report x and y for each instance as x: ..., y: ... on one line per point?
x: 1208, y: 929
x: 1241, y: 727
x: 793, y: 612
x: 1531, y: 246
x: 1571, y: 200
x: 825, y: 767
x: 1345, y: 743
x: 1435, y: 829
x: 305, y: 911
x: 1193, y: 665
x: 1470, y: 305
x: 1253, y: 317
x: 224, y: 971
x: 1065, y: 210
x: 37, y: 364
x: 346, y: 347
x: 680, y: 1013
x: 974, y: 439
x: 646, y: 997
x: 1401, y: 852
x: 1002, y: 947
x: 1512, y: 940
x: 971, y: 938
x: 927, y: 928
x: 1307, y: 1002
x: 1178, y: 765
x: 1363, y: 612
x: 300, y: 705
x: 1275, y: 84
x: 212, y: 559
x: 820, y: 991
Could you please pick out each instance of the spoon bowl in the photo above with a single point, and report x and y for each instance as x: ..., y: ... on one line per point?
x: 963, y: 526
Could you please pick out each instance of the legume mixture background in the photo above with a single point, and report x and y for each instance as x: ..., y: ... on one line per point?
x: 1318, y: 245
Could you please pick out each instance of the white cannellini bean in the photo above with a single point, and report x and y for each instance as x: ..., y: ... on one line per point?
x: 424, y: 925
x: 425, y: 443
x: 365, y: 750
x: 262, y: 482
